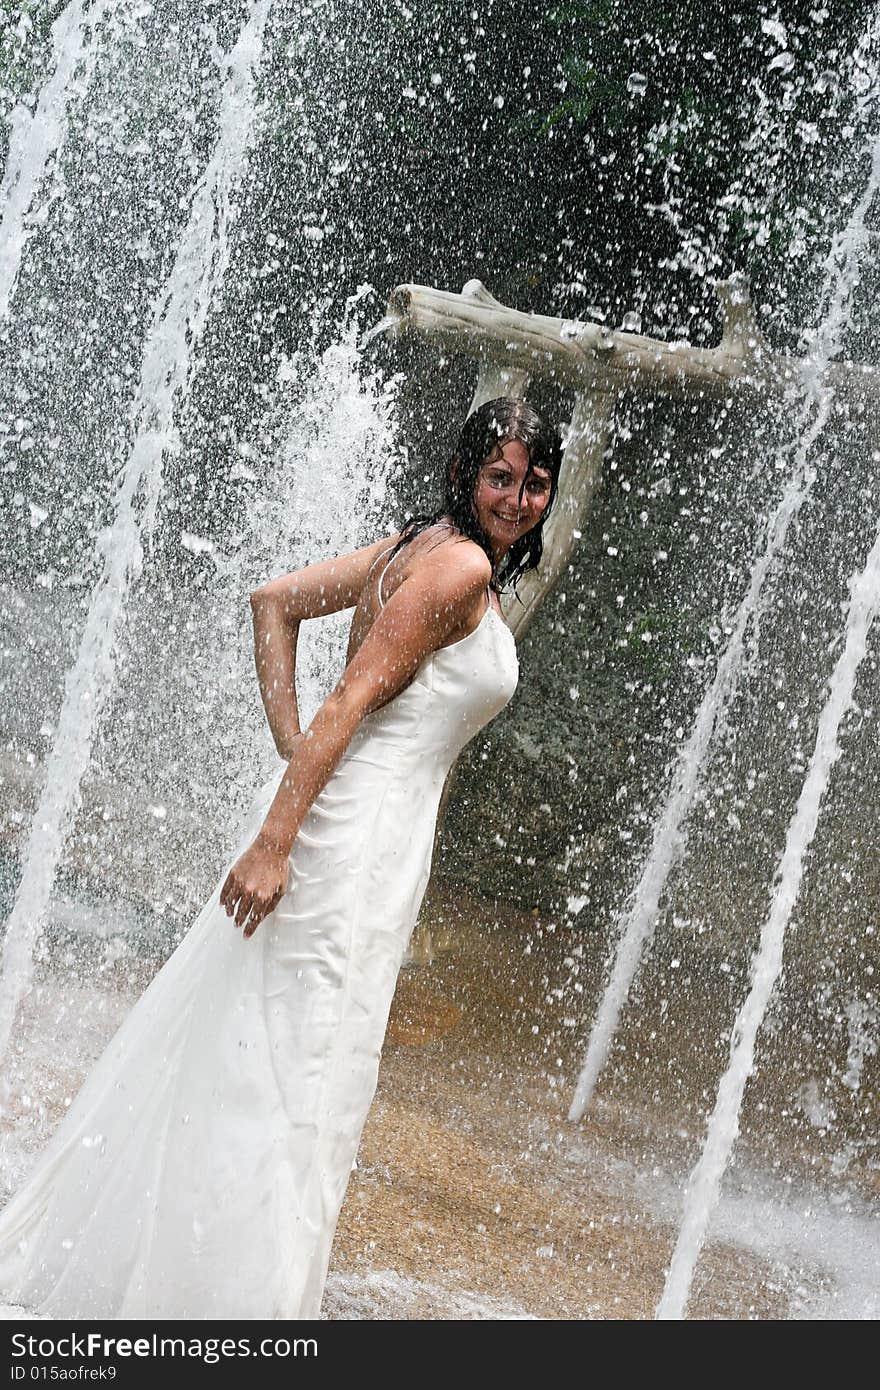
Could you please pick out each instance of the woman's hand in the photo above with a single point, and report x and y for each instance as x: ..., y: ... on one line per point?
x: 255, y: 885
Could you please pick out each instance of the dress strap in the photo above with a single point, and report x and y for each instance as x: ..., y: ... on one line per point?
x: 382, y: 575
x: 388, y: 551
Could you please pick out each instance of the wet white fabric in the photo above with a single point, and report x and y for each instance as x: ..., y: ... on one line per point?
x: 201, y: 1169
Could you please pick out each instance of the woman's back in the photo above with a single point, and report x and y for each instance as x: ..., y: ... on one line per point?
x: 456, y: 690
x: 393, y: 566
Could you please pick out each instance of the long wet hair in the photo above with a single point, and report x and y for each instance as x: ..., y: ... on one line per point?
x: 481, y: 441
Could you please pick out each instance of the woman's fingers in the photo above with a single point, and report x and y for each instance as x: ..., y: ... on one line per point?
x: 230, y: 894
x: 245, y: 903
x: 260, y: 910
x: 252, y: 889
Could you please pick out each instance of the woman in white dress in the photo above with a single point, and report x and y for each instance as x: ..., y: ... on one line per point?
x: 201, y: 1169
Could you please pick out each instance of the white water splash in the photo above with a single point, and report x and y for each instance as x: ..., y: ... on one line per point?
x: 330, y: 488
x: 337, y: 497
x: 704, y: 1185
x: 178, y: 320
x: 36, y: 138
x: 386, y: 1294
x: 863, y: 1026
x: 331, y: 455
x: 670, y: 834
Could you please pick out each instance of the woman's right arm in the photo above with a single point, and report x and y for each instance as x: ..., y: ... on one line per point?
x: 275, y: 641
x: 279, y: 607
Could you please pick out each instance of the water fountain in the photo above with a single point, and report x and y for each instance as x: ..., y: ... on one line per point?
x: 178, y: 320
x: 670, y: 832
x: 702, y: 1193
x: 154, y: 582
x: 37, y: 138
x: 519, y: 345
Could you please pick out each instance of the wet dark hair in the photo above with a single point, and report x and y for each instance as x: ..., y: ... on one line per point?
x: 482, y: 439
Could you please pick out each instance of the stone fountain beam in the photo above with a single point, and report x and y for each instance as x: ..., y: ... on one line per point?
x: 589, y: 356
x: 582, y: 355
x: 599, y: 364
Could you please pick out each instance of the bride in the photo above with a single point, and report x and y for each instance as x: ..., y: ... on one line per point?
x: 201, y: 1169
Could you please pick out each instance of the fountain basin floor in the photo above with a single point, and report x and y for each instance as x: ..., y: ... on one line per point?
x: 474, y: 1197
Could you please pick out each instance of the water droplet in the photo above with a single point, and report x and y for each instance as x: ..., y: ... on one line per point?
x: 784, y: 62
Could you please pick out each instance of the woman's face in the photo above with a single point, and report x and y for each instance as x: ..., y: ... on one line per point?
x: 505, y: 509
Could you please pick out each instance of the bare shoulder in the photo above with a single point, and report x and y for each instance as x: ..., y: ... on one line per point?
x: 452, y: 565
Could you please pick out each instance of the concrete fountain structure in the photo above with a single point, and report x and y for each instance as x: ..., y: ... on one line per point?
x: 599, y: 364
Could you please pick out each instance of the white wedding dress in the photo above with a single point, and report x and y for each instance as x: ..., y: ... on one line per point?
x: 201, y: 1169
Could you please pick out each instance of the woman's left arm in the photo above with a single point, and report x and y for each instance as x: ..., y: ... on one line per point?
x: 420, y: 615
